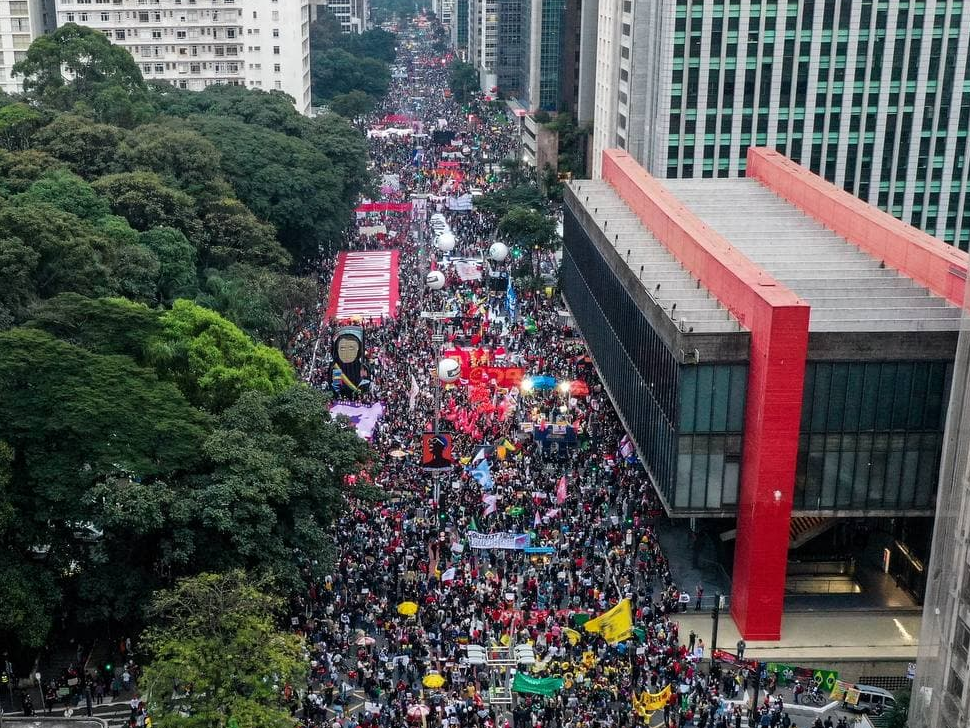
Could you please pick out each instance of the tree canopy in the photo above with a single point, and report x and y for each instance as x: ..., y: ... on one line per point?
x: 342, y: 64
x: 217, y: 654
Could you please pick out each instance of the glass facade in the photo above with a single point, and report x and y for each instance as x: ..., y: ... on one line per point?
x: 638, y: 368
x: 871, y: 435
x: 550, y: 50
x: 873, y: 95
x: 710, y: 422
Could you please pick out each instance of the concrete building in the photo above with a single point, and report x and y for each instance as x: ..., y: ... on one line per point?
x: 541, y: 58
x: 353, y: 15
x: 780, y: 352
x: 940, y: 697
x: 20, y: 22
x: 577, y: 88
x: 260, y: 44
x: 458, y: 28
x: 443, y: 9
x: 872, y: 96
x: 483, y: 33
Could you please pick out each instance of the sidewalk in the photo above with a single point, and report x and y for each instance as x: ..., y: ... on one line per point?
x: 817, y: 636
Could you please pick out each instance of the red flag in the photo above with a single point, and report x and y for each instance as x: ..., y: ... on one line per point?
x: 561, y: 490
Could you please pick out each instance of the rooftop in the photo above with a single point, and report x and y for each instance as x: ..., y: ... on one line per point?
x: 848, y: 289
x: 682, y: 297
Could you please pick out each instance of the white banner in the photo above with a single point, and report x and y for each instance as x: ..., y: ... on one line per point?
x: 500, y: 540
x: 461, y: 204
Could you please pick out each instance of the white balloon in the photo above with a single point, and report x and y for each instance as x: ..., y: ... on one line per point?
x: 448, y: 370
x: 498, y: 252
x: 435, y: 280
x: 445, y: 242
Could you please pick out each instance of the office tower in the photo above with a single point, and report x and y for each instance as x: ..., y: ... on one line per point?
x: 512, y: 37
x: 458, y: 28
x: 260, y: 44
x: 940, y: 696
x: 871, y: 95
x: 577, y: 62
x: 541, y: 60
x: 20, y: 22
x: 483, y: 40
x: 351, y: 14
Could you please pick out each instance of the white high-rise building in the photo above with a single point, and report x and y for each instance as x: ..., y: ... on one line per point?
x: 20, y: 22
x: 351, y: 14
x: 193, y: 44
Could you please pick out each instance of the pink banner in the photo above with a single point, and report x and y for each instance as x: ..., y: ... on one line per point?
x: 365, y: 286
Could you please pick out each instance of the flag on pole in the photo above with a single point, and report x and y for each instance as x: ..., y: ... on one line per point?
x: 482, y: 473
x: 615, y: 624
x: 561, y: 490
x: 449, y: 575
x: 491, y: 504
x: 537, y: 521
x: 413, y: 394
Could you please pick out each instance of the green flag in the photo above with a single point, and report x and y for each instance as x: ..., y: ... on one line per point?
x: 537, y: 685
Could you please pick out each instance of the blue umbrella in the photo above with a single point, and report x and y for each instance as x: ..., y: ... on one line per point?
x: 544, y: 381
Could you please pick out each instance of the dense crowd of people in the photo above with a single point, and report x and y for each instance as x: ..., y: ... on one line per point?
x: 585, y: 504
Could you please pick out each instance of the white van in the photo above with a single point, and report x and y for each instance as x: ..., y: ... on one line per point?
x: 872, y: 700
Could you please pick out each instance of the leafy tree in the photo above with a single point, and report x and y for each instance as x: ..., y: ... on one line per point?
x: 375, y: 43
x: 145, y: 201
x: 89, y: 148
x: 500, y: 201
x: 462, y: 80
x: 67, y: 192
x: 233, y: 235
x: 18, y: 262
x: 217, y: 655
x: 335, y: 71
x: 19, y: 170
x: 110, y: 326
x: 212, y: 361
x: 18, y: 122
x: 70, y: 253
x: 898, y: 715
x: 136, y: 273
x: 76, y: 63
x: 528, y: 228
x: 283, y: 180
x: 177, y: 277
x: 182, y: 157
x: 270, y: 109
x: 346, y: 148
x: 351, y: 105
x: 268, y: 306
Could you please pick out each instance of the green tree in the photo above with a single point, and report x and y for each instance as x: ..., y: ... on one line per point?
x: 335, y: 71
x: 182, y: 157
x: 898, y: 715
x: 462, y: 80
x: 232, y: 234
x: 177, y: 276
x: 89, y: 148
x: 272, y: 485
x: 145, y: 201
x: 18, y: 122
x: 351, y: 105
x: 77, y: 63
x: 67, y: 192
x: 375, y: 43
x: 110, y: 326
x: 19, y: 170
x: 268, y: 306
x: 217, y: 655
x: 528, y: 227
x: 212, y: 361
x: 269, y: 109
x: 18, y: 263
x: 500, y: 201
x: 283, y: 180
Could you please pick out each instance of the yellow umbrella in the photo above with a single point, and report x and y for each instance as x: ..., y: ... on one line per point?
x: 408, y: 609
x: 433, y: 680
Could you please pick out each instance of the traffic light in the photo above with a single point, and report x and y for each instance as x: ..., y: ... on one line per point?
x: 109, y: 668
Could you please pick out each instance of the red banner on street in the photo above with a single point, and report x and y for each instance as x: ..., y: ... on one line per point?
x: 506, y: 377
x: 384, y: 207
x: 365, y: 286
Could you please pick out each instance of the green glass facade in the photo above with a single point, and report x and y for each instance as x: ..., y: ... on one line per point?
x: 874, y: 95
x: 871, y: 435
x: 550, y: 50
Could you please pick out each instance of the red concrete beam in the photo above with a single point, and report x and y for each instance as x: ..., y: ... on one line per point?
x: 930, y: 262
x: 778, y: 321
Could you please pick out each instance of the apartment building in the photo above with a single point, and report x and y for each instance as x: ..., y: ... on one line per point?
x: 193, y: 44
x: 870, y: 94
x: 20, y: 22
